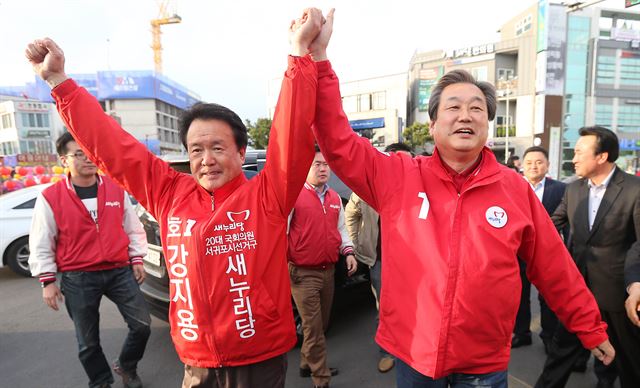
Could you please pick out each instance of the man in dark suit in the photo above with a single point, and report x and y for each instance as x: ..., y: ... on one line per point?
x: 550, y: 192
x: 603, y: 211
x: 631, y: 276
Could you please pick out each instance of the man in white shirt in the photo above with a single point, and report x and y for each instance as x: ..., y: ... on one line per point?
x: 85, y: 229
x: 549, y: 192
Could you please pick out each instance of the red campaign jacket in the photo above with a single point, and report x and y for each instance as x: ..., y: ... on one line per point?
x: 225, y: 251
x: 451, y: 284
x: 314, y: 239
x: 83, y: 245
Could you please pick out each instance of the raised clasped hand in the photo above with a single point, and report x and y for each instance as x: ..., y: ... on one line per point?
x: 304, y: 30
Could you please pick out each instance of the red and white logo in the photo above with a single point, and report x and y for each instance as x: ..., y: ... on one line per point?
x: 238, y: 216
x: 496, y: 216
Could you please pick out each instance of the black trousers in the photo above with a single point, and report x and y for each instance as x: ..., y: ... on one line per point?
x: 548, y: 320
x: 566, y: 349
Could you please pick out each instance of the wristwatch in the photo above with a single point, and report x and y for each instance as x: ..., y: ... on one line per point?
x: 44, y: 284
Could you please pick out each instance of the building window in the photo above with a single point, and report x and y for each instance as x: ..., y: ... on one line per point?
x: 505, y: 74
x: 350, y: 104
x: 480, y: 73
x: 6, y: 121
x: 379, y: 100
x: 501, y: 126
x: 628, y: 118
x: 523, y: 25
x: 527, y: 23
x: 365, y: 102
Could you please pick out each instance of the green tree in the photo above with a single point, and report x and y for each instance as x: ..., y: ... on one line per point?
x: 259, y: 132
x: 417, y: 135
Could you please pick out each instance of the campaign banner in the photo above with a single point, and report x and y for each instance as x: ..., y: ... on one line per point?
x: 143, y: 84
x: 125, y: 84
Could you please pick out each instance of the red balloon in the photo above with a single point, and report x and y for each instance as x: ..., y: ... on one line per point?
x: 22, y: 171
x: 10, y: 185
x: 29, y: 182
x: 39, y: 170
x: 5, y: 171
x: 45, y: 179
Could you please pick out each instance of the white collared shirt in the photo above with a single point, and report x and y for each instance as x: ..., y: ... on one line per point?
x: 539, y: 188
x: 596, y: 193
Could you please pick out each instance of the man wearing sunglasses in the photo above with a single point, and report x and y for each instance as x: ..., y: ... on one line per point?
x: 85, y: 228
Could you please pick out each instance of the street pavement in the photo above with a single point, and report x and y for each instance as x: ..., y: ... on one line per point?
x: 38, y: 346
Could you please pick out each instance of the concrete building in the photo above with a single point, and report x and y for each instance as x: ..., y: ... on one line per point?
x: 28, y: 127
x: 145, y: 104
x: 376, y: 107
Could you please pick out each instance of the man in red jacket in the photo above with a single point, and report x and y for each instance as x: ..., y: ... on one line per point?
x: 223, y: 236
x: 85, y: 228
x: 317, y: 236
x: 452, y: 227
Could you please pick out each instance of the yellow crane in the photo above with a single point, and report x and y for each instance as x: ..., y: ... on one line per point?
x: 162, y: 19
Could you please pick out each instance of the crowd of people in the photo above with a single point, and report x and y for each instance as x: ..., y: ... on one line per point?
x: 451, y: 238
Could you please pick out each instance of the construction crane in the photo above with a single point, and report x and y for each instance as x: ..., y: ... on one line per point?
x: 162, y: 19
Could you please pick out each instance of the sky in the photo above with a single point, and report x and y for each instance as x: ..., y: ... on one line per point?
x: 228, y: 51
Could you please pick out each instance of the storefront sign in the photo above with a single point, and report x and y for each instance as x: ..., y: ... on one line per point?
x: 36, y: 159
x: 358, y: 125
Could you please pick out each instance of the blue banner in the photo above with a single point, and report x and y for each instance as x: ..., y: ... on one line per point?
x: 172, y: 93
x: 153, y: 145
x: 108, y: 85
x: 125, y: 84
x: 630, y: 144
x: 87, y: 81
x: 358, y: 125
x: 143, y: 84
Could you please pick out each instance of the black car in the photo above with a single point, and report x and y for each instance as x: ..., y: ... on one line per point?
x: 156, y: 285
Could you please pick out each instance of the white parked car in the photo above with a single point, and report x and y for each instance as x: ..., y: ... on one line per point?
x: 16, y: 210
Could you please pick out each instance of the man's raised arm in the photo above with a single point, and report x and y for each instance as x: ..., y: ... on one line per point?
x: 110, y: 147
x: 290, y: 149
x: 352, y: 157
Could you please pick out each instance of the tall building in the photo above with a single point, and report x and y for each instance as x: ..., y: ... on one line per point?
x: 145, y: 104
x: 603, y: 80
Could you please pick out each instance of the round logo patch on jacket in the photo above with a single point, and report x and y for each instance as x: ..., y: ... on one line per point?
x: 496, y: 216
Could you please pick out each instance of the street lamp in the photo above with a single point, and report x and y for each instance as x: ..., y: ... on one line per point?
x: 507, y: 85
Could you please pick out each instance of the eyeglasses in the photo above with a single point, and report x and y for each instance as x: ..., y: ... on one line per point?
x: 78, y: 155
